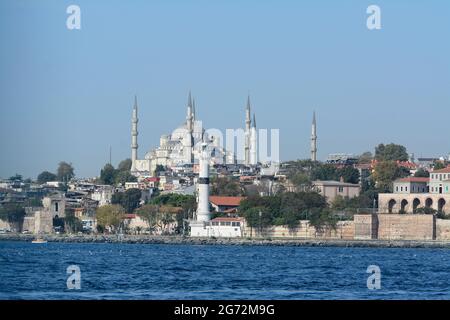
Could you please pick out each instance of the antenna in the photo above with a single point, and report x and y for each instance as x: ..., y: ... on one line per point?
x: 110, y: 152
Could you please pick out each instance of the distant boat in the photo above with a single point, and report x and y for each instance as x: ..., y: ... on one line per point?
x: 39, y: 240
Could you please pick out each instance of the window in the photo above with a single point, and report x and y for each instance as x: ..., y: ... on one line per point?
x: 341, y: 189
x: 406, y: 188
x: 56, y: 207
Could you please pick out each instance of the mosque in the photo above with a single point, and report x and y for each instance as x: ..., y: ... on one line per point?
x: 183, y: 146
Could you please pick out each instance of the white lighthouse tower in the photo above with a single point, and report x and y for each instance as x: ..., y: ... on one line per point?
x: 203, y: 213
x: 200, y: 227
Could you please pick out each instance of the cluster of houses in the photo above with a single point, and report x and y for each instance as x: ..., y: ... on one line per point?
x: 414, y: 193
x: 83, y: 197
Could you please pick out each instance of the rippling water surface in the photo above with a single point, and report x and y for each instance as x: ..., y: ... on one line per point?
x: 140, y: 271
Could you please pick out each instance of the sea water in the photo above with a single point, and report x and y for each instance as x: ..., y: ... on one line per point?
x: 149, y: 271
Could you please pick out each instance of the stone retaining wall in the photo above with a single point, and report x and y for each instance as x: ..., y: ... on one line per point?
x: 442, y: 229
x: 406, y: 227
x: 344, y: 230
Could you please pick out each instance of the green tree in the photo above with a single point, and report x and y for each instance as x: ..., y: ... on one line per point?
x: 33, y: 202
x: 339, y: 203
x: 348, y: 173
x: 14, y: 214
x: 129, y: 199
x: 391, y: 152
x: 65, y: 171
x: 71, y: 223
x: 385, y: 172
x: 321, y: 219
x: 438, y: 165
x: 124, y: 176
x: 110, y: 216
x: 226, y: 186
x: 124, y: 165
x: 258, y: 217
x: 301, y: 179
x: 422, y: 173
x: 149, y: 212
x: 108, y: 174
x: 16, y: 177
x: 365, y: 158
x: 324, y: 172
x: 46, y: 176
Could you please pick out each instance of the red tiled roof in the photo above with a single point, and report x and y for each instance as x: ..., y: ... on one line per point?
x: 445, y: 170
x: 414, y: 179
x: 226, y: 201
x: 129, y: 216
x: 152, y: 179
x: 407, y: 164
x: 226, y: 219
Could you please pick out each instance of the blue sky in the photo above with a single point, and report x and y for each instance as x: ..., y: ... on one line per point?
x: 67, y: 94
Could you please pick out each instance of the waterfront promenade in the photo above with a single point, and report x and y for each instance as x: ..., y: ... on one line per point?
x: 146, y: 239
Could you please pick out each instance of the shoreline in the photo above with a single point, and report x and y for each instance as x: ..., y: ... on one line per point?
x: 180, y: 240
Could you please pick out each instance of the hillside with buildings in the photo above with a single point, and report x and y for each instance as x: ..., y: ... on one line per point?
x: 191, y: 185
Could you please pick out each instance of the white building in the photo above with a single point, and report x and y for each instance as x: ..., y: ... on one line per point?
x: 223, y: 227
x: 102, y: 194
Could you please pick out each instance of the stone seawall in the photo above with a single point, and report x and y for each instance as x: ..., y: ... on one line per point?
x: 133, y: 239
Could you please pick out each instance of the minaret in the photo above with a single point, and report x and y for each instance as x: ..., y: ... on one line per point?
x: 247, y: 133
x: 188, y: 141
x: 314, y: 139
x: 193, y: 110
x: 253, y: 143
x: 134, y: 134
x: 203, y: 185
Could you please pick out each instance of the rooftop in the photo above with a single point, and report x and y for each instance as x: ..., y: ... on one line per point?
x: 334, y: 183
x: 414, y: 179
x: 445, y: 170
x: 218, y: 219
x: 226, y: 201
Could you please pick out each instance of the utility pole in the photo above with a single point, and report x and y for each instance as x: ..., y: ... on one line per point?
x: 260, y: 223
x: 374, y: 204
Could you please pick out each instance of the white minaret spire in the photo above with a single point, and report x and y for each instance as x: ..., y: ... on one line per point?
x: 314, y: 138
x: 188, y: 139
x: 247, y: 133
x: 134, y: 135
x: 203, y: 185
x: 193, y: 110
x: 253, y: 143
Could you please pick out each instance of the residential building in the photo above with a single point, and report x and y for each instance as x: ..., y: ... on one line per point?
x: 331, y: 189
